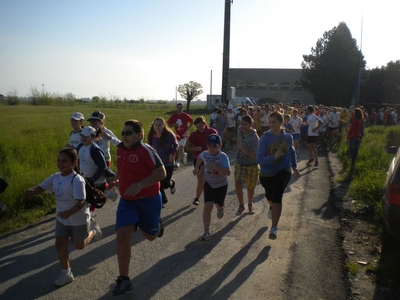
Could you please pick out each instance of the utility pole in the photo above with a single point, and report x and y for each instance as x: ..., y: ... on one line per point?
x: 225, y: 60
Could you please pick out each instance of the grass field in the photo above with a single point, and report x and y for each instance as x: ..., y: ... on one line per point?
x: 30, y: 138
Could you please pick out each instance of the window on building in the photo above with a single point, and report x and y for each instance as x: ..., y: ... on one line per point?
x: 285, y: 86
x: 262, y: 85
x: 239, y: 84
x: 273, y: 86
x: 250, y: 85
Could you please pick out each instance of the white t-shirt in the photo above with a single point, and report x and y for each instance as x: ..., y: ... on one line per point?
x: 105, y: 144
x: 213, y: 178
x: 334, y: 119
x: 67, y: 190
x: 230, y: 117
x: 75, y: 139
x: 296, y: 124
x: 324, y: 120
x: 264, y: 120
x: 312, y: 121
x: 87, y: 165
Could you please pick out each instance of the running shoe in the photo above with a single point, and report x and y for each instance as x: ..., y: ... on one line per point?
x: 273, y: 234
x: 172, y: 187
x: 220, y: 213
x: 111, y: 194
x: 64, y: 278
x: 240, y: 210
x: 96, y: 229
x: 270, y: 213
x: 251, y: 208
x: 310, y: 161
x: 123, y: 285
x: 316, y: 163
x: 205, y: 237
x: 196, y: 202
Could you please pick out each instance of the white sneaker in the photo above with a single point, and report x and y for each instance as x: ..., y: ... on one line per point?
x: 64, y: 278
x: 111, y: 194
x: 96, y: 228
x: 185, y: 158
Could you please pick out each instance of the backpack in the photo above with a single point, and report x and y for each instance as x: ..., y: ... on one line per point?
x: 93, y: 196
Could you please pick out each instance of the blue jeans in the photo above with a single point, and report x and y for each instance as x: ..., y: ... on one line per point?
x: 354, y: 145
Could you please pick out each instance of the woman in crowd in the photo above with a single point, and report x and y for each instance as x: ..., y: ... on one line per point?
x: 163, y: 140
x: 354, y: 134
x: 276, y: 156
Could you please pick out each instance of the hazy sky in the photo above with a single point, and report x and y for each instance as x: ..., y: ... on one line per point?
x: 145, y: 48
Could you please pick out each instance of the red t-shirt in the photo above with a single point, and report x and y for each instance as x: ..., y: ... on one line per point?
x: 181, y: 131
x: 200, y: 139
x: 135, y: 164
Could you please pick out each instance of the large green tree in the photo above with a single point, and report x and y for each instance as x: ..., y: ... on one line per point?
x: 381, y: 86
x: 190, y: 91
x: 331, y: 72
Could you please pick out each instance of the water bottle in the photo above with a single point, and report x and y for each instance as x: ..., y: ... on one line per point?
x: 185, y: 158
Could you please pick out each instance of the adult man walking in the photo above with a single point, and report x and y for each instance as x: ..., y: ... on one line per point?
x: 181, y: 122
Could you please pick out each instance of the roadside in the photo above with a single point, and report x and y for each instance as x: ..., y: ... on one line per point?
x: 362, y: 244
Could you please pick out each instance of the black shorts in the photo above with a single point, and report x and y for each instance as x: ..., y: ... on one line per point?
x: 333, y: 128
x: 230, y: 129
x: 216, y: 195
x: 275, y: 186
x: 312, y: 139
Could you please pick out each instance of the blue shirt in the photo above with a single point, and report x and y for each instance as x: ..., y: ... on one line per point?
x: 268, y: 145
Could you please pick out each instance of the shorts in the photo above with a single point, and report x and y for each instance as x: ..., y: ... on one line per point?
x: 78, y: 234
x: 144, y: 212
x: 312, y: 139
x: 230, y: 129
x: 216, y: 195
x: 333, y: 128
x: 275, y: 186
x: 296, y: 136
x: 249, y: 174
x: 182, y: 142
x: 195, y: 162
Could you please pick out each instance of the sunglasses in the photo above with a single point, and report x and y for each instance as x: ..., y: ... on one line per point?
x: 127, y: 133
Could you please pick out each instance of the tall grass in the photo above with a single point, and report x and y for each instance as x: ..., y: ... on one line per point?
x: 30, y: 138
x: 369, y: 175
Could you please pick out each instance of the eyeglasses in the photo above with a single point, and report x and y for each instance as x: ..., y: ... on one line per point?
x: 127, y: 133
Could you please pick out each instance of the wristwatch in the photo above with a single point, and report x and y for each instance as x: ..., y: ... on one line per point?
x: 140, y: 184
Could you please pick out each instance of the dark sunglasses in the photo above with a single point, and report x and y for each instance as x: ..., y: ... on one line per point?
x: 127, y: 133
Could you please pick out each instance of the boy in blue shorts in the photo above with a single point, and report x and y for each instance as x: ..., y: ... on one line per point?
x: 140, y: 171
x: 217, y: 168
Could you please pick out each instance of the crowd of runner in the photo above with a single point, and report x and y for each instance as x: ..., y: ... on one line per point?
x: 266, y: 139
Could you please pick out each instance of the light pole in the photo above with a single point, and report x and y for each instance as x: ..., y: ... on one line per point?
x: 225, y: 59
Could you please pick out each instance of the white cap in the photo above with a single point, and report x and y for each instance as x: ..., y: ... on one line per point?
x: 88, y: 131
x: 77, y: 116
x: 230, y: 106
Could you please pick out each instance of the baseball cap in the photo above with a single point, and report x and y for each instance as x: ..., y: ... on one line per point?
x: 77, y: 116
x: 230, y: 106
x: 88, y: 131
x: 214, y: 139
x: 97, y: 115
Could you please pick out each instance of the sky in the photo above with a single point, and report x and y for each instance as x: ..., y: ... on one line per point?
x: 137, y: 49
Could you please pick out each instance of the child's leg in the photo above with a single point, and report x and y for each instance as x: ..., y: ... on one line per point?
x: 208, y: 207
x: 62, y: 251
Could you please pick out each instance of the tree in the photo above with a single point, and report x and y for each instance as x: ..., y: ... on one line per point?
x: 12, y: 97
x: 190, y: 91
x: 331, y: 71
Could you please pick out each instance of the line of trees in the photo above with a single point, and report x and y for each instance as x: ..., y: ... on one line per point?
x: 335, y: 73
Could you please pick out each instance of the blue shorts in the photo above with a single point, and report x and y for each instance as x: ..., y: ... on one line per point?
x: 143, y: 212
x: 296, y: 136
